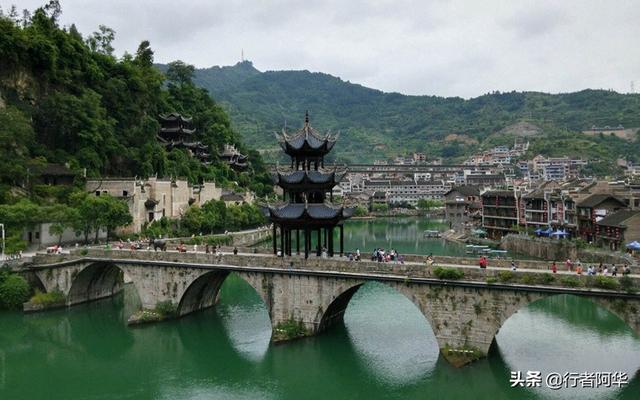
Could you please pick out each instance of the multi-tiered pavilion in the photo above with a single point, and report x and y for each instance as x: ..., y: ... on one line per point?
x: 176, y: 132
x: 307, y: 187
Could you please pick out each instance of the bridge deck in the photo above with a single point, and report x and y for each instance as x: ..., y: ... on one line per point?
x: 408, y: 272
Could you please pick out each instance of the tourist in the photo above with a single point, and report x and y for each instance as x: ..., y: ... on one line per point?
x: 195, y: 248
x: 235, y: 251
x: 206, y: 249
x: 579, y: 270
x: 554, y: 267
x: 606, y: 271
x: 600, y: 269
x: 569, y: 264
x: 513, y: 265
x: 350, y: 256
x: 626, y: 270
x: 429, y: 260
x: 614, y: 270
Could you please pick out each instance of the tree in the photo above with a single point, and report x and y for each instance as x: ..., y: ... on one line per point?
x: 144, y: 55
x: 180, y: 72
x: 114, y: 213
x: 15, y: 134
x: 100, y: 41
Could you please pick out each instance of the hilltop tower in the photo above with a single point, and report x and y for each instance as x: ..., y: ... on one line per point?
x: 307, y: 188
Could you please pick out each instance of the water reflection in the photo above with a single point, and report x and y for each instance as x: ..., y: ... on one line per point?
x: 245, y: 318
x: 569, y: 334
x: 392, y: 337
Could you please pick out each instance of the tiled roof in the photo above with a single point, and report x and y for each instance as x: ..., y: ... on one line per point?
x: 596, y: 199
x: 312, y: 211
x: 618, y: 218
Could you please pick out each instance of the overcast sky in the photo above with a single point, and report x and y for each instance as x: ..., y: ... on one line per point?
x: 446, y: 48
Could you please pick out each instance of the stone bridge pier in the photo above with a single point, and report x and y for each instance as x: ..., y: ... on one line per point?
x: 464, y: 316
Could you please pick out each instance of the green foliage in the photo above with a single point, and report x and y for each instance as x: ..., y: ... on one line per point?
x: 428, y: 204
x: 492, y: 279
x: 627, y: 284
x: 545, y: 278
x: 570, y: 281
x: 71, y: 100
x: 506, y: 276
x: 166, y: 308
x: 360, y: 211
x: 380, y: 207
x: 448, y: 273
x: 14, y: 290
x: 54, y: 298
x: 290, y: 329
x: 605, y: 282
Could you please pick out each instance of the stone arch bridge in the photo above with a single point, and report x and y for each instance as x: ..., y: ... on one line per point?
x: 465, y: 315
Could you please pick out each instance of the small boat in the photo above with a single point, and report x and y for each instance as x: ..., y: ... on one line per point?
x: 431, y: 234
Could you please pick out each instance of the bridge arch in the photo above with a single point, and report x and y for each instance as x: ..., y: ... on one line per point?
x: 569, y: 332
x: 96, y: 281
x: 625, y: 310
x: 335, y: 311
x: 203, y: 292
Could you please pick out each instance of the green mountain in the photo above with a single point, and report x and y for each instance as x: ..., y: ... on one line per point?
x: 377, y: 125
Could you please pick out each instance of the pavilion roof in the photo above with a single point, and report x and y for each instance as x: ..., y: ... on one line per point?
x: 307, y: 138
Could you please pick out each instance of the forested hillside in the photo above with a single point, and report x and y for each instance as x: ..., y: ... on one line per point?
x: 263, y: 102
x: 65, y: 98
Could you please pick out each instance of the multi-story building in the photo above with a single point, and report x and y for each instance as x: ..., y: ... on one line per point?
x: 592, y: 210
x: 500, y: 213
x: 559, y: 168
x: 408, y: 191
x: 153, y: 198
x: 618, y: 228
x: 463, y: 205
x: 485, y: 180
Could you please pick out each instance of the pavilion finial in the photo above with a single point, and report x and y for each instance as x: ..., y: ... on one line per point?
x: 306, y: 118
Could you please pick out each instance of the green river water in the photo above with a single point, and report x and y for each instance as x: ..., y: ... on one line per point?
x: 384, y: 350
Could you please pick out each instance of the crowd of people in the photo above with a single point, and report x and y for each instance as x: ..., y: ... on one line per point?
x: 382, y: 255
x: 592, y: 270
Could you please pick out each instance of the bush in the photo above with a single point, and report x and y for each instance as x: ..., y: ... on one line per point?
x: 626, y: 284
x: 290, y: 329
x: 492, y: 279
x: 448, y: 273
x: 545, y: 278
x: 166, y: 308
x: 48, y: 299
x: 570, y: 281
x: 14, y: 291
x: 528, y: 279
x: 506, y: 276
x: 605, y: 282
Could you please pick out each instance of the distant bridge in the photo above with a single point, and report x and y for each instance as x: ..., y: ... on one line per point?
x: 465, y: 314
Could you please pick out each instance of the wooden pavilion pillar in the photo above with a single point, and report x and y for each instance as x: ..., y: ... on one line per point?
x: 341, y: 240
x: 307, y: 240
x: 298, y: 241
x: 319, y: 247
x: 331, y: 242
x: 275, y: 241
x: 282, y: 241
